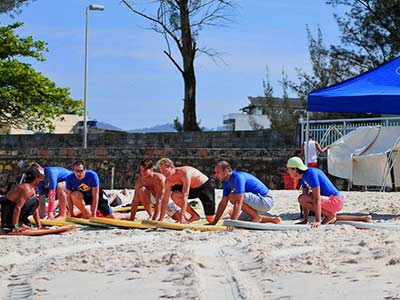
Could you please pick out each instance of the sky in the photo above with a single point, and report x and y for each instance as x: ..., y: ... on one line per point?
x: 131, y: 82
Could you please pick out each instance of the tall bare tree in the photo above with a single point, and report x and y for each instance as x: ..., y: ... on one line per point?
x: 180, y: 23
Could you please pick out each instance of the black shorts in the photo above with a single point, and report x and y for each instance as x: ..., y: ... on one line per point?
x: 102, y: 206
x: 7, y: 212
x: 206, y: 194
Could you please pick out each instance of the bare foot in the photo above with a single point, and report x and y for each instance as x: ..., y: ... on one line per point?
x: 301, y: 223
x: 275, y: 220
x: 193, y: 218
x: 329, y: 220
x: 60, y: 217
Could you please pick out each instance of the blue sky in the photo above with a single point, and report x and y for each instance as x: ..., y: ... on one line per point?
x: 133, y: 85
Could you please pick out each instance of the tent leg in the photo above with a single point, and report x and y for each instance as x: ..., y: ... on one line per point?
x: 306, y: 139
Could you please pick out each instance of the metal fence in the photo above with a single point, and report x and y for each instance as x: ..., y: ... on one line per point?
x: 328, y: 131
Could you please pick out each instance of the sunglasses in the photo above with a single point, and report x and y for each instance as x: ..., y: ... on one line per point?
x: 79, y: 170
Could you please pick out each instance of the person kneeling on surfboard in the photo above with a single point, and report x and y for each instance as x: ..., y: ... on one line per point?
x: 185, y: 183
x: 54, y: 185
x: 149, y: 190
x: 318, y: 193
x: 83, y: 188
x: 246, y: 192
x: 21, y: 202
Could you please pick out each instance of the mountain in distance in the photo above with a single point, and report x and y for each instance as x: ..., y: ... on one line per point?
x: 107, y: 126
x: 168, y: 128
x: 156, y: 128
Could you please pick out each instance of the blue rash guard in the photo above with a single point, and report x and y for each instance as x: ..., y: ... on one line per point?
x: 241, y: 182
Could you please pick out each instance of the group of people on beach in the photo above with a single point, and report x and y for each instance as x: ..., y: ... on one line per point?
x: 164, y: 193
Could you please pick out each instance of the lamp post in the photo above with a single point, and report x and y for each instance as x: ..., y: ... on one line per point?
x: 90, y: 7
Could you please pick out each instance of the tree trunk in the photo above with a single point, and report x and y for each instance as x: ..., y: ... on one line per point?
x: 189, y: 77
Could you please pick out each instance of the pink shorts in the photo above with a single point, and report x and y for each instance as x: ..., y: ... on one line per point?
x: 332, y: 204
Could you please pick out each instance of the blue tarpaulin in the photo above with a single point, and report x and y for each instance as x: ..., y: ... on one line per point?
x: 376, y: 91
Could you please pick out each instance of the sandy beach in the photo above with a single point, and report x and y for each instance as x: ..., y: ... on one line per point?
x: 338, y: 262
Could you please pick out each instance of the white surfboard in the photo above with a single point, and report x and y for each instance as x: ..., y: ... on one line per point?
x: 265, y: 226
x: 370, y: 225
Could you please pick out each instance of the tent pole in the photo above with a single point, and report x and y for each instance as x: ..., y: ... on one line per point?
x: 306, y: 139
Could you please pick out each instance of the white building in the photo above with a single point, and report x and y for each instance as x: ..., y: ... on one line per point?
x: 254, y: 116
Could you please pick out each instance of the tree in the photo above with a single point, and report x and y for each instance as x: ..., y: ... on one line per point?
x: 28, y: 98
x: 11, y: 7
x: 180, y: 23
x: 370, y: 36
x: 284, y: 119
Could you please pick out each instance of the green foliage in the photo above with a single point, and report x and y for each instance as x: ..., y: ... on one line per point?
x: 284, y: 119
x: 370, y: 36
x: 28, y: 98
x: 11, y: 7
x: 178, y: 125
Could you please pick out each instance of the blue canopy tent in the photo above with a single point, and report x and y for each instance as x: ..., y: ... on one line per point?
x: 376, y: 91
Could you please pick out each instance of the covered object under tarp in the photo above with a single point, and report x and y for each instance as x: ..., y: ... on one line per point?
x: 367, y: 156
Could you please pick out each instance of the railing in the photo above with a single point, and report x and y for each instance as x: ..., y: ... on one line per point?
x: 328, y: 131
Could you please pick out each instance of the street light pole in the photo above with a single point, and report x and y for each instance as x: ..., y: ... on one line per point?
x: 85, y: 129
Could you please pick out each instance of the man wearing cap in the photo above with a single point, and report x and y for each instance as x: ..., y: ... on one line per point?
x: 318, y: 192
x: 21, y: 202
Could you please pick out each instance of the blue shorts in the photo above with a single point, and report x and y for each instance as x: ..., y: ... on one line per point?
x: 261, y: 204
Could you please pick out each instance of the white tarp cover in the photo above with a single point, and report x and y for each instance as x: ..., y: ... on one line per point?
x: 361, y: 156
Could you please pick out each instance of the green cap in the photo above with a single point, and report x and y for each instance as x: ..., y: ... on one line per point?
x: 296, y: 163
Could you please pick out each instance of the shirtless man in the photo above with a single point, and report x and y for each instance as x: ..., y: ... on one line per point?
x: 149, y: 190
x: 20, y: 202
x: 185, y: 183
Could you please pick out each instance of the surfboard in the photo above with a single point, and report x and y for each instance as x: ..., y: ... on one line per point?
x: 127, y: 209
x: 265, y: 226
x: 82, y: 221
x: 47, y: 222
x: 44, y: 231
x: 179, y: 226
x: 121, y: 223
x: 370, y: 225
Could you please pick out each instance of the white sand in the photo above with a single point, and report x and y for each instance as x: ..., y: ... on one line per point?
x: 332, y: 263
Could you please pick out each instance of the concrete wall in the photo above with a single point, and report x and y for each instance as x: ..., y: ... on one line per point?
x: 259, y: 152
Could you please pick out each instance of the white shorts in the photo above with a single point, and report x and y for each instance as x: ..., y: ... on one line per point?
x: 172, y: 207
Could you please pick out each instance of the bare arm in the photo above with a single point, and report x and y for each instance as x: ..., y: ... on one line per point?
x: 220, y: 210
x: 316, y: 196
x: 52, y: 200
x: 159, y: 200
x: 186, y: 180
x: 70, y: 203
x: 95, y: 201
x: 37, y: 219
x: 23, y: 197
x: 237, y: 200
x: 164, y: 203
x: 321, y: 150
x: 135, y: 201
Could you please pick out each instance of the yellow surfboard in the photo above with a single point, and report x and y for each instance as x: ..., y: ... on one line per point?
x: 82, y: 221
x: 126, y: 209
x: 179, y: 226
x: 47, y: 222
x: 121, y: 223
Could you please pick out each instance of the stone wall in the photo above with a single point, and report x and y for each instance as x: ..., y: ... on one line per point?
x: 259, y: 152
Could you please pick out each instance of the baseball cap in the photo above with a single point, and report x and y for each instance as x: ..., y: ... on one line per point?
x: 296, y: 163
